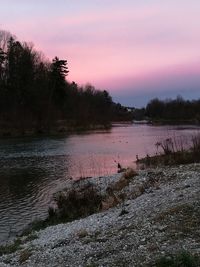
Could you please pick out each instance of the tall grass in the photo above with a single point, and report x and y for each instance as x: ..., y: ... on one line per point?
x: 175, y: 150
x: 196, y: 143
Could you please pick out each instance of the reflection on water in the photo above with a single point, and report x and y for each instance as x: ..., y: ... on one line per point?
x: 32, y: 169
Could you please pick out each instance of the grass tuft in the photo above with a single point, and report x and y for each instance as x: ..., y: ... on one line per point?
x: 10, y: 248
x: 24, y: 255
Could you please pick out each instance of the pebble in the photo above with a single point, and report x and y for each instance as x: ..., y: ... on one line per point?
x: 134, y: 239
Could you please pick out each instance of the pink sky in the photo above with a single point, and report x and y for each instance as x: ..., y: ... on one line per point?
x: 134, y: 49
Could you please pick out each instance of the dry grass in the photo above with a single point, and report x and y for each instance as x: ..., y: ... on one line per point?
x: 174, y: 151
x: 123, y: 181
x: 76, y: 203
x: 114, y: 195
x: 10, y: 248
x: 82, y: 233
x: 24, y: 255
x: 130, y: 173
x: 110, y: 201
x: 171, y: 212
x: 184, y: 220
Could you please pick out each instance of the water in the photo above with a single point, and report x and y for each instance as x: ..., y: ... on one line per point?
x: 33, y: 169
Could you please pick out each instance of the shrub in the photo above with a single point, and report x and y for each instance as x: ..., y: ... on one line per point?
x: 80, y: 201
x: 77, y: 203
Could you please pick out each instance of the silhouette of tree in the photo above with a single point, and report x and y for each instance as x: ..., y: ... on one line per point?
x: 34, y: 92
x: 174, y: 110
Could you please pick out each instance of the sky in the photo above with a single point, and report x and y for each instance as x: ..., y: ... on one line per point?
x: 137, y: 50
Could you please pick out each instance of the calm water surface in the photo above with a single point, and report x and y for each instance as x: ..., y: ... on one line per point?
x: 32, y: 169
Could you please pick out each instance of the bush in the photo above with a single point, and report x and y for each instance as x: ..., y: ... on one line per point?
x: 77, y: 203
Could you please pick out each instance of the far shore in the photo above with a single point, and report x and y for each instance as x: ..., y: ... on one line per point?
x: 64, y: 129
x: 160, y: 122
x: 54, y: 131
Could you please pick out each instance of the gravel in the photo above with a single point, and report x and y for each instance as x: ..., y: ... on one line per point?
x: 160, y: 215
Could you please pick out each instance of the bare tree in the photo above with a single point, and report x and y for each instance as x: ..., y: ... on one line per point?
x: 4, y: 38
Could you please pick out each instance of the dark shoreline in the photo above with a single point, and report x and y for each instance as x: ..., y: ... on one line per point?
x: 63, y: 130
x: 174, y: 122
x: 15, y: 133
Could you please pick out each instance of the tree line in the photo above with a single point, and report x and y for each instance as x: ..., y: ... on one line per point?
x: 174, y: 110
x: 34, y: 92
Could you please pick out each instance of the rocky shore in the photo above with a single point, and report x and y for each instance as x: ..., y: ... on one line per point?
x: 147, y: 215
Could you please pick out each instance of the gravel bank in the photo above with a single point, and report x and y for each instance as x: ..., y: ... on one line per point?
x: 160, y: 215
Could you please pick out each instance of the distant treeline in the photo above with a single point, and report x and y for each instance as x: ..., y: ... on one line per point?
x: 34, y: 92
x: 177, y: 110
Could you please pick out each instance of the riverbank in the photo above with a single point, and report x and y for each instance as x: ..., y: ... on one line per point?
x: 159, y: 122
x: 60, y: 128
x: 158, y: 215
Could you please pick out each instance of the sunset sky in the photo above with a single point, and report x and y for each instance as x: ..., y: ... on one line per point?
x: 136, y: 50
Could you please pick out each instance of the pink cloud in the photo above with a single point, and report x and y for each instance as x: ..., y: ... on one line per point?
x: 119, y: 45
x: 183, y: 76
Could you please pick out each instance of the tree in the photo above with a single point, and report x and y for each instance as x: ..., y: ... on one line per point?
x: 34, y: 93
x: 59, y: 71
x: 2, y: 65
x: 155, y: 108
x: 4, y: 39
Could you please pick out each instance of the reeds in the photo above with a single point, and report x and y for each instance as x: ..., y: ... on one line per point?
x: 175, y: 150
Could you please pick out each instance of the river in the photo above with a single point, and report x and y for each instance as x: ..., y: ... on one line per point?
x: 33, y: 169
